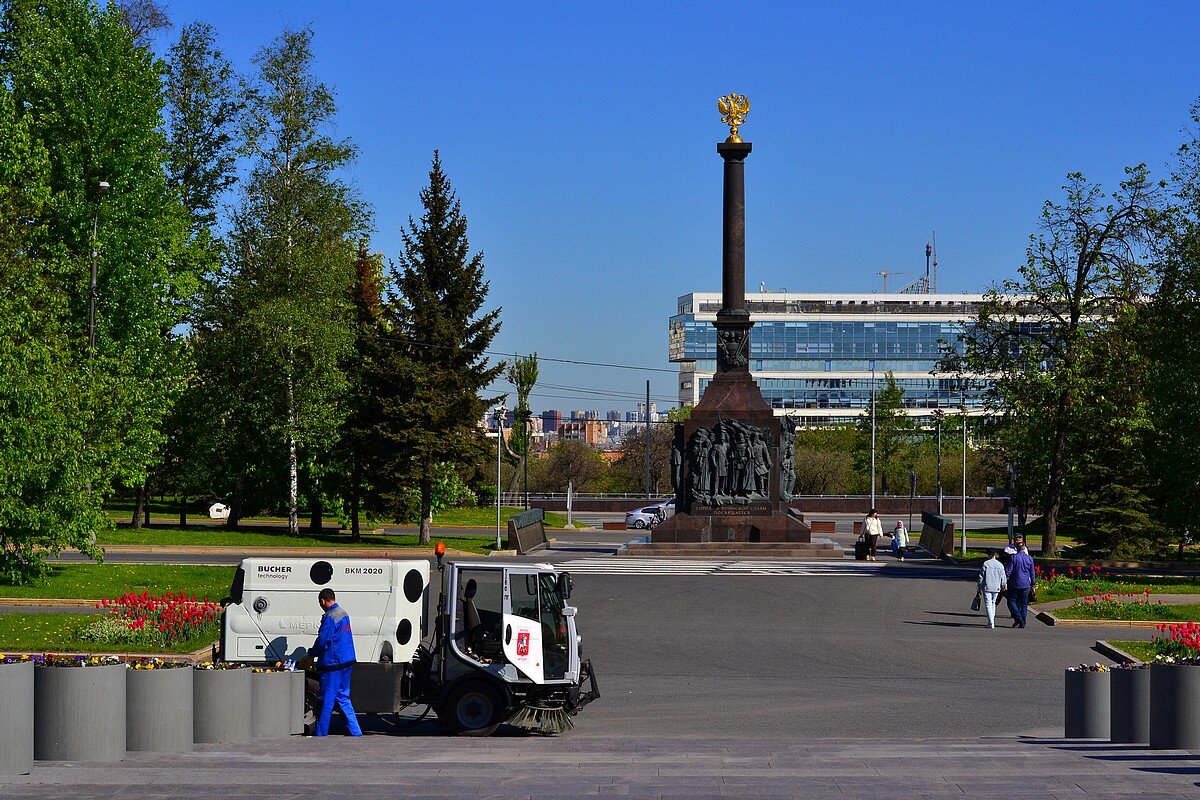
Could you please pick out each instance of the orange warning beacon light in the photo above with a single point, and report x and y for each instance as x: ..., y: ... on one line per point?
x: 439, y: 550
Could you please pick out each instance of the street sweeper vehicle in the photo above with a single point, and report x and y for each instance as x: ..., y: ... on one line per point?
x: 500, y: 646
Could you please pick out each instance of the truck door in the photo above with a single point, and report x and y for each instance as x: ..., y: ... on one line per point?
x: 522, y: 628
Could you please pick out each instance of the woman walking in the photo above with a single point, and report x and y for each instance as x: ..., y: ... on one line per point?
x: 872, y: 530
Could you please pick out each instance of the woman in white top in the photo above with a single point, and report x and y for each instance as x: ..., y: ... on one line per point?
x: 872, y: 530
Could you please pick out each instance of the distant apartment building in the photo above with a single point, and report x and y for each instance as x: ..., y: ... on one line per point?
x: 819, y: 356
x: 592, y: 432
x: 551, y: 420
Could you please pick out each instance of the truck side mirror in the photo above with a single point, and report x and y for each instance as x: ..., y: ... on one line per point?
x: 564, y: 584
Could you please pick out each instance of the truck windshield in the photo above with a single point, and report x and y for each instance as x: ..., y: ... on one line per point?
x: 554, y: 627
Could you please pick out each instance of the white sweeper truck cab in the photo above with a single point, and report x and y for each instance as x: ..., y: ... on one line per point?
x: 500, y: 645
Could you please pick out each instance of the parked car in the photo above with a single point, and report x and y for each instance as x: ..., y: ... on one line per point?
x: 648, y: 516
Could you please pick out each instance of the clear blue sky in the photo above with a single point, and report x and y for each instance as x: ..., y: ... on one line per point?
x: 581, y: 140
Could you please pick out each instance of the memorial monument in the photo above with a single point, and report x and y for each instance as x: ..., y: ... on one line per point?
x: 733, y: 465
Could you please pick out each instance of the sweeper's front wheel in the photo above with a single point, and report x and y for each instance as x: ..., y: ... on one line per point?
x: 473, y: 709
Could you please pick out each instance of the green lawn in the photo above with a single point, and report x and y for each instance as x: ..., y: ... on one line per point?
x: 1153, y: 612
x: 168, y: 514
x: 94, y: 581
x: 1141, y: 649
x: 1064, y: 588
x: 56, y: 633
x: 219, y: 536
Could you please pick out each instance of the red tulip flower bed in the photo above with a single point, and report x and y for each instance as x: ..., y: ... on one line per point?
x: 162, y: 621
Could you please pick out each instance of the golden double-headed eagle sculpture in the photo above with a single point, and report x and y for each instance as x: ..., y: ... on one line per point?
x: 733, y: 108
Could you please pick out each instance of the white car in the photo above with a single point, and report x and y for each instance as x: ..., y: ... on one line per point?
x: 648, y: 516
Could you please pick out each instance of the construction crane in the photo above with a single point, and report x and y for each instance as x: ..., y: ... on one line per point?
x: 887, y: 273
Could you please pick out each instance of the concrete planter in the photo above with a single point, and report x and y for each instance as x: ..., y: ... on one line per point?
x: 79, y: 713
x: 271, y: 698
x: 221, y: 707
x: 16, y: 723
x: 158, y: 710
x: 1129, y: 706
x: 1174, y: 707
x: 297, y: 702
x: 1085, y: 706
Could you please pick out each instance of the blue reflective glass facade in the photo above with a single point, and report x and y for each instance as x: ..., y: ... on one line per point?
x: 818, y: 351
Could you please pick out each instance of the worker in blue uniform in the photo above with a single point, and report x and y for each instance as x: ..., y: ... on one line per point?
x: 334, y: 650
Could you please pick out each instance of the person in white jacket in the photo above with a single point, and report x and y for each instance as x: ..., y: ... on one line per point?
x: 872, y: 530
x: 992, y: 581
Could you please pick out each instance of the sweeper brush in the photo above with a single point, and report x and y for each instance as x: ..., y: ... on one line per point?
x: 541, y: 719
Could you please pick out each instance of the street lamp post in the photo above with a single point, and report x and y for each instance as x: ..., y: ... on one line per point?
x: 964, y: 477
x: 500, y: 411
x: 872, y: 434
x: 937, y: 417
x: 101, y: 190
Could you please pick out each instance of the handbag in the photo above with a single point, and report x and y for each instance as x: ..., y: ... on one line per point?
x: 977, y: 601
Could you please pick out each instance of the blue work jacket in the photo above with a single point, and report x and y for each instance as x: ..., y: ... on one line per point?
x: 335, y: 645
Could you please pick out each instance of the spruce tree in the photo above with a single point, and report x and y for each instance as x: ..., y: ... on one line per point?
x: 435, y: 366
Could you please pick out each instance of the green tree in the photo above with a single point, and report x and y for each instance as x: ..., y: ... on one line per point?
x: 1170, y: 325
x: 572, y: 463
x: 825, y: 461
x: 285, y: 315
x: 629, y: 471
x: 429, y: 380
x: 522, y: 373
x: 1088, y: 260
x: 893, y: 437
x: 91, y: 98
x: 44, y: 459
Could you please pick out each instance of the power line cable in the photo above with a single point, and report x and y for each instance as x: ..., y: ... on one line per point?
x: 576, y: 362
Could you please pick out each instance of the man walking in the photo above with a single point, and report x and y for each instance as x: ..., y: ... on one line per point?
x: 1021, y: 577
x: 992, y: 581
x: 334, y: 650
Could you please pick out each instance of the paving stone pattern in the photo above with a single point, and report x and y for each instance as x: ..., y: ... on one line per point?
x: 570, y: 766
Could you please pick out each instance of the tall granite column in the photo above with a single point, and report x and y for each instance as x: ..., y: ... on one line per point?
x: 728, y: 484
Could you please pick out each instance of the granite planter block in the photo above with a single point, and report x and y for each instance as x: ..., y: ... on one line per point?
x: 1174, y: 707
x: 271, y: 698
x: 1129, y: 706
x: 16, y: 720
x: 297, y: 701
x: 158, y: 710
x: 221, y: 708
x: 1085, y: 705
x: 79, y: 713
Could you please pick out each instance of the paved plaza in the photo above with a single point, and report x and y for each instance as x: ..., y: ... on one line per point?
x: 577, y: 765
x: 730, y: 679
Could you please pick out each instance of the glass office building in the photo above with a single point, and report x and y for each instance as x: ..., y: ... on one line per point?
x: 817, y: 356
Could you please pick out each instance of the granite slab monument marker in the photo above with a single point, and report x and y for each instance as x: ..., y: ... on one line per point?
x: 734, y: 460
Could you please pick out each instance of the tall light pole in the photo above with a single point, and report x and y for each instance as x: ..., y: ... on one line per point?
x: 964, y: 476
x: 101, y: 190
x: 937, y: 418
x: 500, y: 411
x: 872, y: 433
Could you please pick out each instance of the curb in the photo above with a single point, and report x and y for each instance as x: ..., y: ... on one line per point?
x: 1115, y: 653
x: 1050, y: 619
x: 48, y: 601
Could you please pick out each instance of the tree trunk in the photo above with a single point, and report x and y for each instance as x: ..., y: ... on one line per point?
x: 183, y: 511
x: 1058, y: 456
x: 235, y: 504
x: 139, y: 504
x: 426, y: 510
x: 316, y: 524
x: 355, y: 483
x: 146, y: 502
x: 293, y: 465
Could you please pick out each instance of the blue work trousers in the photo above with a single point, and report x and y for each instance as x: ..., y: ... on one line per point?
x: 1018, y: 604
x: 335, y: 687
